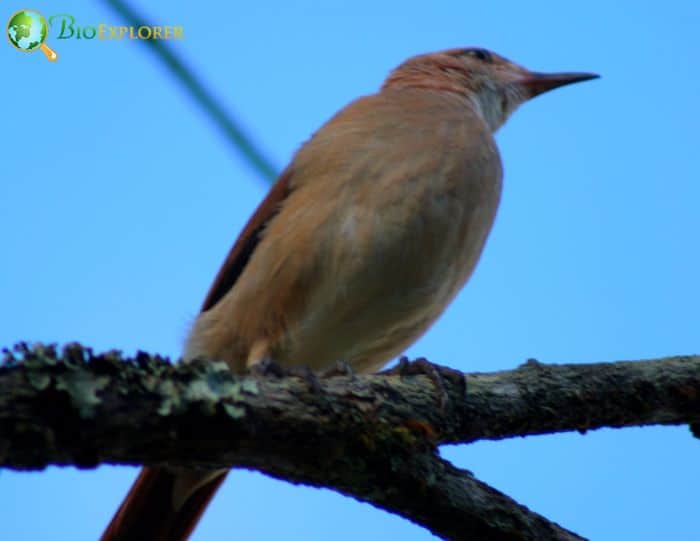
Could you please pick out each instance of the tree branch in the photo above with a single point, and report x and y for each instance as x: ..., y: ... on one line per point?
x: 371, y: 437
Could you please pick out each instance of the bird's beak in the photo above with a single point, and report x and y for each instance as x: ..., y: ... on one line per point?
x: 539, y: 83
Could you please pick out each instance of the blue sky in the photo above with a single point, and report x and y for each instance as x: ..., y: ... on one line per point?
x: 119, y: 200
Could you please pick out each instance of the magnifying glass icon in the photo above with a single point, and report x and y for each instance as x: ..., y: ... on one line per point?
x: 27, y: 31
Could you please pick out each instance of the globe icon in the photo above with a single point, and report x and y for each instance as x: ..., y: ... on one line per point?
x: 27, y: 31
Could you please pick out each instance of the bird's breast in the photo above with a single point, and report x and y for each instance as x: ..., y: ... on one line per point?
x: 387, y: 210
x: 393, y: 259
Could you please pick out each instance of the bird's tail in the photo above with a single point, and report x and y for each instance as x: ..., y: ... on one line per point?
x: 163, y: 505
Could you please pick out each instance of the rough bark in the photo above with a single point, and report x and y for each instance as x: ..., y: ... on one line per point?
x: 371, y: 437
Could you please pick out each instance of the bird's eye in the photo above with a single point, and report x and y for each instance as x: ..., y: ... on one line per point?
x: 481, y: 54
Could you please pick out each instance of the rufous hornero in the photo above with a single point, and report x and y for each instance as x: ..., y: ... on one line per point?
x: 359, y: 246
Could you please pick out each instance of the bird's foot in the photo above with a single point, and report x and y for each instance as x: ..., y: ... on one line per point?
x: 439, y: 375
x: 340, y: 368
x: 266, y: 367
x: 305, y: 373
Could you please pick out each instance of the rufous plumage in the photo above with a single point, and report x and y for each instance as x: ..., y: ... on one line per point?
x: 361, y: 244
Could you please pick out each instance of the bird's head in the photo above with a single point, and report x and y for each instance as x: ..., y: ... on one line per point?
x: 492, y: 85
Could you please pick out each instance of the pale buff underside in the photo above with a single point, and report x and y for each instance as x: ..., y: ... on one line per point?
x: 374, y: 241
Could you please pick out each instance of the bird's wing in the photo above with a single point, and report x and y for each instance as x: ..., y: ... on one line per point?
x: 147, y: 512
x: 244, y: 246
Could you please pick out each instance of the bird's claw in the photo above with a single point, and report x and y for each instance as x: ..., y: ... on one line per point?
x: 266, y: 367
x: 340, y: 368
x: 303, y: 371
x: 437, y: 374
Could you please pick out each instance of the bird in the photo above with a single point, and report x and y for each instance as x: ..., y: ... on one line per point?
x: 359, y: 246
